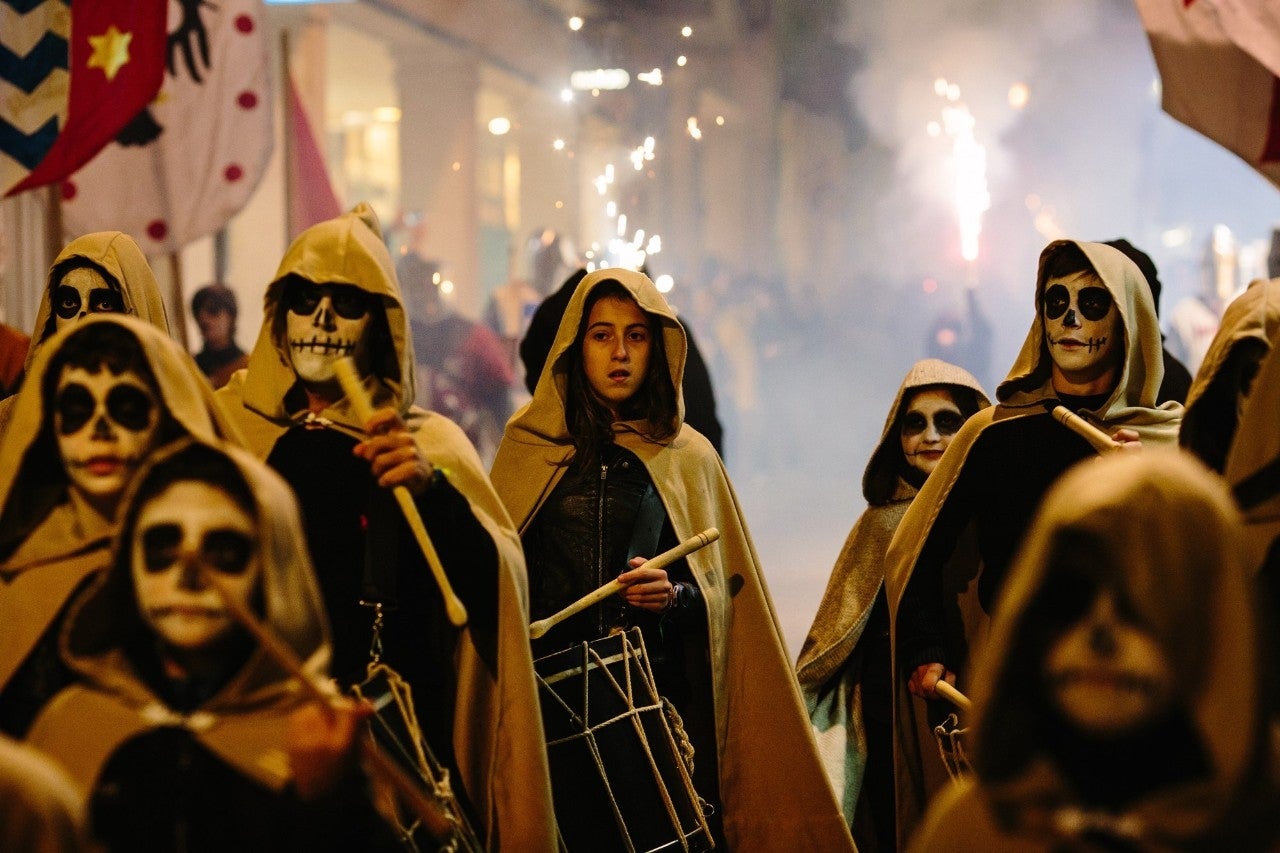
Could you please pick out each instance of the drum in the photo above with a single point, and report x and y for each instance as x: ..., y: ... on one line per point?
x: 395, y: 730
x: 617, y: 775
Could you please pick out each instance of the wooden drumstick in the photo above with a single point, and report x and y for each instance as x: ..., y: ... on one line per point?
x: 345, y: 369
x: 666, y: 558
x: 952, y: 695
x: 1098, y: 439
x: 438, y: 822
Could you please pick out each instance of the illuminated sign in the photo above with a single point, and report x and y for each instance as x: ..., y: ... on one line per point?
x: 601, y: 78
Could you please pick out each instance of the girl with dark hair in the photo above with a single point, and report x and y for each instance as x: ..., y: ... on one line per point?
x: 600, y: 473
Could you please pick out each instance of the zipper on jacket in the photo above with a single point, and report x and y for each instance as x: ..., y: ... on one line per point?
x: 604, y: 474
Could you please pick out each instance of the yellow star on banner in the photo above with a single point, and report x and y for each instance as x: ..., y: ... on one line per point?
x: 110, y: 51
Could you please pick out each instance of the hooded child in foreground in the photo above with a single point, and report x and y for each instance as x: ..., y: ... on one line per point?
x: 1119, y: 703
x: 844, y: 666
x: 335, y: 295
x: 1093, y: 348
x: 600, y: 472
x: 100, y: 396
x: 177, y: 731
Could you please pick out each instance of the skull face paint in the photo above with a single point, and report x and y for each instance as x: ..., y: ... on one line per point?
x: 1081, y: 324
x: 188, y: 527
x: 1105, y: 673
x: 105, y: 424
x: 83, y: 291
x: 325, y: 322
x: 930, y: 421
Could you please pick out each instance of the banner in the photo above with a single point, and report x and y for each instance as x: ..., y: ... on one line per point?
x: 311, y: 198
x: 70, y: 82
x: 1211, y: 84
x: 196, y: 155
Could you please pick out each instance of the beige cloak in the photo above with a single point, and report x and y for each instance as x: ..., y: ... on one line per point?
x: 497, y: 736
x: 831, y: 649
x: 49, y: 547
x: 243, y: 723
x: 774, y: 793
x: 1175, y: 553
x: 1023, y: 393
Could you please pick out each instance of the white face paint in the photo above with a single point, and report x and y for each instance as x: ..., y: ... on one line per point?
x: 105, y: 426
x: 325, y: 322
x: 81, y: 292
x: 930, y: 421
x: 1106, y: 674
x: 1081, y: 325
x: 189, y: 526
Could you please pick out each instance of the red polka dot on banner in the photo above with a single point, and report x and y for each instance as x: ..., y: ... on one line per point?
x: 157, y: 229
x: 244, y: 23
x: 68, y: 190
x: 247, y: 100
x: 233, y: 173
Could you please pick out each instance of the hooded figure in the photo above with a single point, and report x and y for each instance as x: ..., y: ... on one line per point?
x: 1253, y: 470
x: 1225, y: 379
x: 473, y: 687
x: 102, y: 272
x: 176, y: 731
x: 1119, y: 701
x: 947, y: 560
x: 56, y: 513
x: 752, y: 736
x: 844, y: 665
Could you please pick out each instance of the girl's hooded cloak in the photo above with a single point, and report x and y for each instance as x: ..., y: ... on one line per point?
x: 497, y: 737
x: 1024, y: 398
x: 1173, y: 550
x: 831, y: 649
x: 772, y: 787
x: 47, y: 548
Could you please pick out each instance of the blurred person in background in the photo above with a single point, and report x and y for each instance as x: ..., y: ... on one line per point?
x: 214, y: 309
x: 466, y: 375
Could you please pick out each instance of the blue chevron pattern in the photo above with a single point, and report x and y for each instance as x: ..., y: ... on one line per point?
x: 30, y: 26
x: 28, y: 148
x: 27, y: 72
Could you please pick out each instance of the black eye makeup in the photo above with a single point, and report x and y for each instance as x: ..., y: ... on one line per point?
x: 349, y: 301
x: 127, y: 405
x: 946, y: 422
x: 1093, y: 302
x: 223, y: 549
x: 102, y: 300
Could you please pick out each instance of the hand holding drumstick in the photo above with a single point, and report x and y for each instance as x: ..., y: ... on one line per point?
x: 651, y: 573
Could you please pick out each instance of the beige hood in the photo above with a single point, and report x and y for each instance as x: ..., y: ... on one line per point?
x: 119, y: 255
x: 1133, y: 402
x: 345, y: 250
x: 243, y: 721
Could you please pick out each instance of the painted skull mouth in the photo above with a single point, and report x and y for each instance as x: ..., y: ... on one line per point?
x: 1091, y: 344
x: 325, y: 346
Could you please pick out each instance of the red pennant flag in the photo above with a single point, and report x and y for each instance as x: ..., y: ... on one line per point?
x: 205, y: 143
x: 311, y: 196
x: 117, y: 58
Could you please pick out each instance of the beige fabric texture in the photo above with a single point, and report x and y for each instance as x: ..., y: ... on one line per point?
x: 51, y: 546
x: 830, y: 649
x: 243, y: 723
x: 774, y: 793
x: 1023, y: 393
x: 497, y: 734
x: 1192, y: 592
